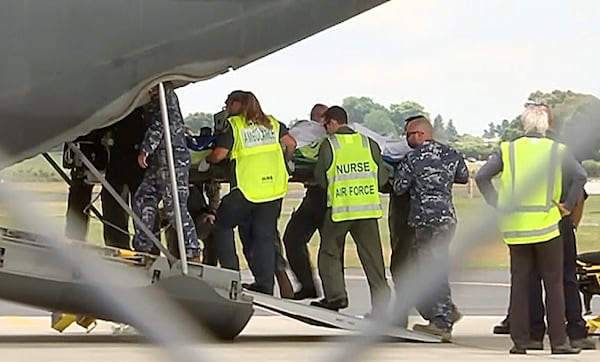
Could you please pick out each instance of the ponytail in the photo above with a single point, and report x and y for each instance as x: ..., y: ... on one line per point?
x: 253, y: 112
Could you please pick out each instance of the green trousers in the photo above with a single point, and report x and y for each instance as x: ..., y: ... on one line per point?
x: 368, y: 244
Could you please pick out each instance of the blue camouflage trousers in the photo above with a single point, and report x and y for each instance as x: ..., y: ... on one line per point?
x: 431, y: 250
x: 156, y: 186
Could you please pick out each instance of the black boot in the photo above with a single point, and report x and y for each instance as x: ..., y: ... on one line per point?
x: 502, y: 327
x: 518, y: 349
x: 305, y: 294
x: 565, y: 349
x: 334, y: 305
x: 256, y: 288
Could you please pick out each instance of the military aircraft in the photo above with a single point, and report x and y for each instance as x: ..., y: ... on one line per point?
x: 72, y: 66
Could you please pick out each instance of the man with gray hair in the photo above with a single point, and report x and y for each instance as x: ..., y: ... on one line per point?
x: 576, y: 325
x: 527, y: 201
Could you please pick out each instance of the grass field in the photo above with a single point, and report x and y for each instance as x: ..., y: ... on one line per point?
x: 491, y: 253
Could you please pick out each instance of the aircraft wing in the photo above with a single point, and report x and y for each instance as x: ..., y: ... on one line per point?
x: 70, y: 66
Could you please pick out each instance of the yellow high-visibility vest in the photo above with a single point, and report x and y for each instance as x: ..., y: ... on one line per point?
x: 531, y: 180
x: 260, y: 168
x: 311, y: 152
x: 353, y: 188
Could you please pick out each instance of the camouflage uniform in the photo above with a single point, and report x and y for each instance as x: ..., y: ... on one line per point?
x: 156, y: 185
x: 428, y: 173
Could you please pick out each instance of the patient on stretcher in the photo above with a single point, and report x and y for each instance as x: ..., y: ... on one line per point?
x: 308, y: 136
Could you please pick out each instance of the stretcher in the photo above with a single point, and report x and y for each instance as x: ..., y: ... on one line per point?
x: 588, y: 278
x: 304, y: 160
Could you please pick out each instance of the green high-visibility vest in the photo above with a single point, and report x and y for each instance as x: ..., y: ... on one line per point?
x: 353, y: 188
x: 260, y: 168
x: 531, y: 180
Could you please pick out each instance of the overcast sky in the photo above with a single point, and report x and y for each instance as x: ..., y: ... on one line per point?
x: 472, y: 61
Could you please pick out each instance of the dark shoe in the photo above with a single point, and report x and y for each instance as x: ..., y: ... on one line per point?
x: 516, y: 349
x: 305, y: 294
x: 334, y: 305
x: 535, y: 345
x: 444, y: 333
x: 565, y: 349
x: 583, y: 344
x: 256, y: 288
x: 502, y: 327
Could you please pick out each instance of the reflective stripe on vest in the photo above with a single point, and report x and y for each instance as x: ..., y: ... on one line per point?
x: 526, y: 195
x: 353, y: 190
x: 529, y: 233
x: 260, y: 168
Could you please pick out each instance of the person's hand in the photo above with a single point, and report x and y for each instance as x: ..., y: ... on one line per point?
x: 142, y: 160
x: 562, y: 208
x: 203, y: 166
x: 209, y: 219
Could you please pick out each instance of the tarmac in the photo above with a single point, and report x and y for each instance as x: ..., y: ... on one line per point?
x: 266, y: 338
x: 482, y: 296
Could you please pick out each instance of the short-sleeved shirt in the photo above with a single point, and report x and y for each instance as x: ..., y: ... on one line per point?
x: 226, y: 139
